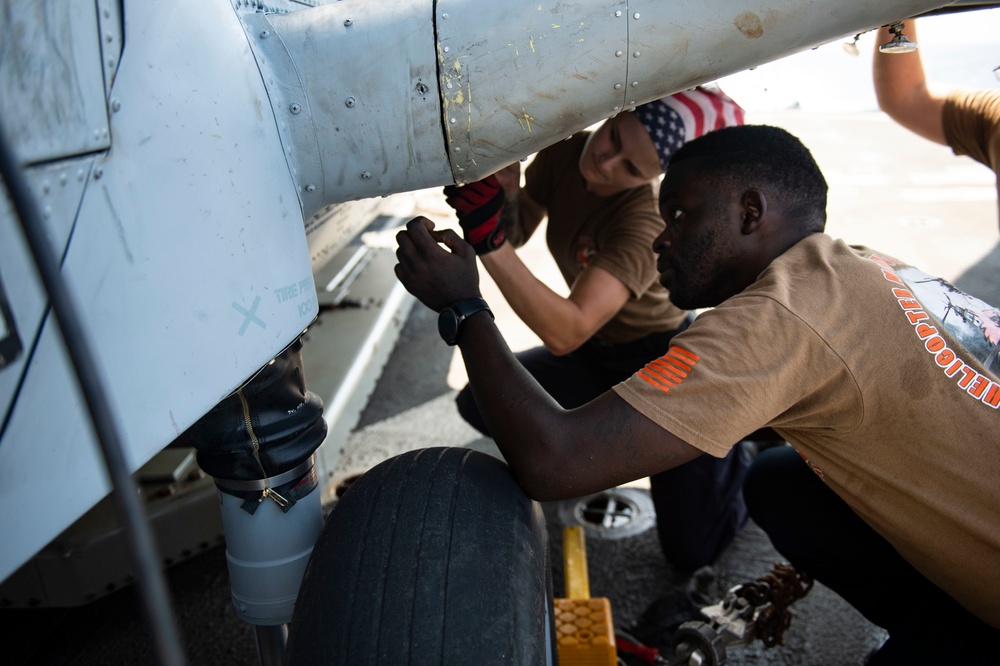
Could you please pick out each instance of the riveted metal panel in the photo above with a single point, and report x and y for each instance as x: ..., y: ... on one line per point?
x: 57, y: 189
x: 355, y: 97
x: 540, y: 72
x: 676, y: 45
x: 53, y: 102
x: 111, y: 27
x: 290, y: 106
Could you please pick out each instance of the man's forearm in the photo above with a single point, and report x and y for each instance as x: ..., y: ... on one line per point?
x: 556, y: 453
x: 519, y: 412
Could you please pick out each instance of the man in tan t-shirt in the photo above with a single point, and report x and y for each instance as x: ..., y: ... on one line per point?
x: 884, y: 381
x: 596, y: 190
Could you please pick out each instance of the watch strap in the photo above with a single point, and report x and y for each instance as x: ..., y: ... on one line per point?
x: 460, y: 311
x: 470, y: 306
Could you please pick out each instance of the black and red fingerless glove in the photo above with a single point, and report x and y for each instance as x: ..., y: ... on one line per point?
x: 478, y: 206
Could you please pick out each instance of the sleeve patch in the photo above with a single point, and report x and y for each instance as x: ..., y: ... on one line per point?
x: 670, y: 369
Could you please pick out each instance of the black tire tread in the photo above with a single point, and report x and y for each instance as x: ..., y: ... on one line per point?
x: 435, y: 556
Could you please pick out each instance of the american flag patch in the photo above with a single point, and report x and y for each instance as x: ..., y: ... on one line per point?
x: 702, y: 110
x: 670, y: 369
x: 673, y: 121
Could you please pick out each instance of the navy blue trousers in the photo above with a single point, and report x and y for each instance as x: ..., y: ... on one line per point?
x: 699, y: 505
x: 819, y: 534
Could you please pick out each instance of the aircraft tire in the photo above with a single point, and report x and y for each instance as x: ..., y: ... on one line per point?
x: 435, y: 556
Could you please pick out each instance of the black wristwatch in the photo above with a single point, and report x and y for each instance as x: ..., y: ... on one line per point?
x: 451, y: 318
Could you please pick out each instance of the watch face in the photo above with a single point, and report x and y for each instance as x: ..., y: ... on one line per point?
x: 448, y: 325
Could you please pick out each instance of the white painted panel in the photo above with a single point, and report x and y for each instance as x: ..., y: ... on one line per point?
x: 188, y: 261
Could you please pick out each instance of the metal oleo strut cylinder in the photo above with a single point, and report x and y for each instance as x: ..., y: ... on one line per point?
x: 267, y: 550
x: 258, y: 445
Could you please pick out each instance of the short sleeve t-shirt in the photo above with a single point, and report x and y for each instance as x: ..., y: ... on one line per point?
x: 613, y: 233
x: 971, y: 123
x: 883, y: 378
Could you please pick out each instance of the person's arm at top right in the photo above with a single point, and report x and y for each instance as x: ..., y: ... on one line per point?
x: 554, y: 453
x: 902, y: 91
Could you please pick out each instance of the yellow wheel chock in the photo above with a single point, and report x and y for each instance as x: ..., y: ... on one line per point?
x: 585, y: 634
